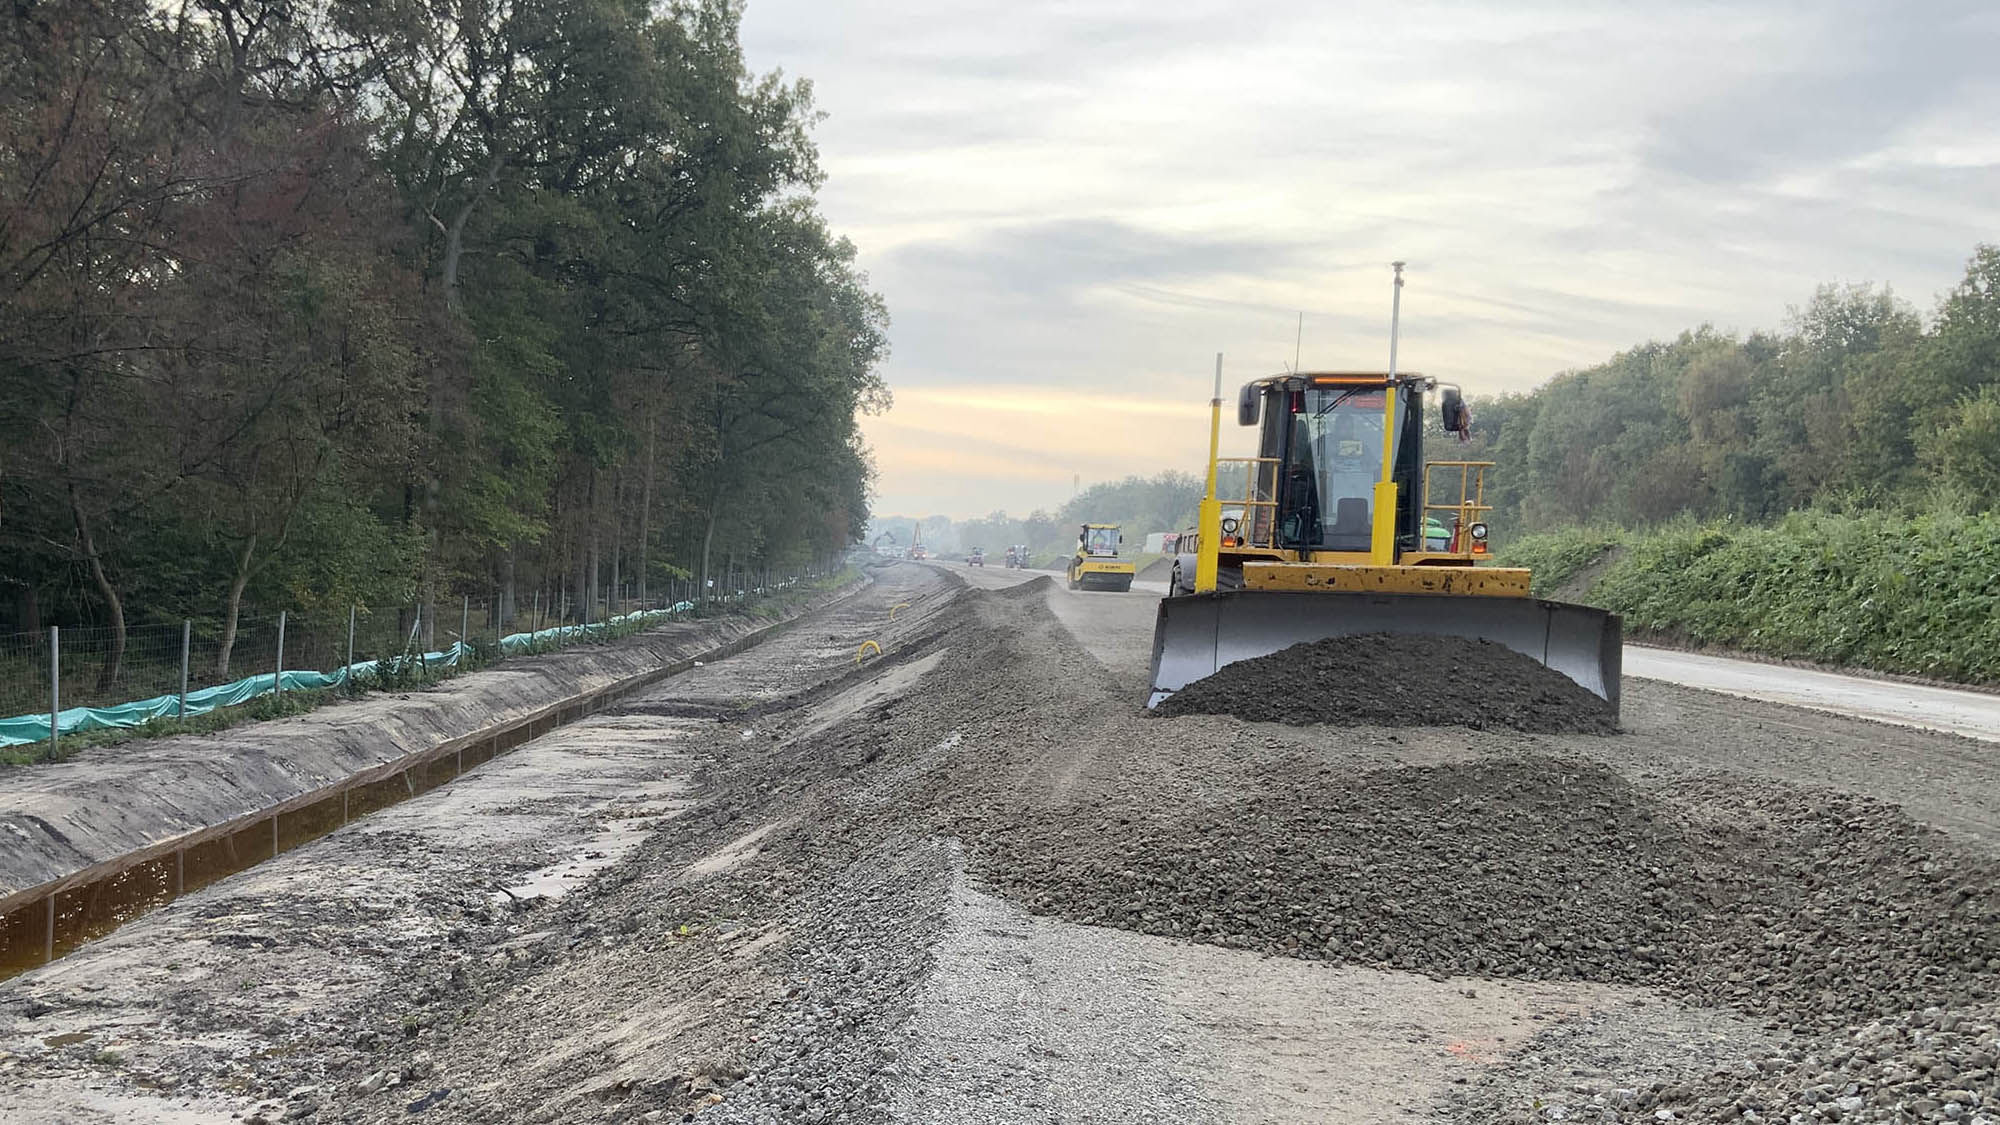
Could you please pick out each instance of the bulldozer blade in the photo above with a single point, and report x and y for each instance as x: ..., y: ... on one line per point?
x: 1197, y: 634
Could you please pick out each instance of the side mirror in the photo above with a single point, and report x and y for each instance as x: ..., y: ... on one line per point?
x: 1457, y: 417
x: 1249, y: 404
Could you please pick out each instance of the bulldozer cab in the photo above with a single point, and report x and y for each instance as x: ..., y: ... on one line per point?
x: 1324, y: 444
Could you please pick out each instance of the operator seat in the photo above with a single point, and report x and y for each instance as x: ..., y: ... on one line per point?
x: 1350, y: 521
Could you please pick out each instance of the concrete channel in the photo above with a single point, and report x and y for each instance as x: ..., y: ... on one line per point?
x: 46, y: 921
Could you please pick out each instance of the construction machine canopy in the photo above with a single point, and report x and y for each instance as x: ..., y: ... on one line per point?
x: 1100, y: 539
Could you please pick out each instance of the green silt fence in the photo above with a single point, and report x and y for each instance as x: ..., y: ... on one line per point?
x: 25, y: 729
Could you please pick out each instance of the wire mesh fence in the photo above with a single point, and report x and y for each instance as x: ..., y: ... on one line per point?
x: 69, y: 671
x: 24, y: 672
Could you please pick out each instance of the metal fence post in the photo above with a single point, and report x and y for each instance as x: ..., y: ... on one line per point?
x: 278, y: 681
x: 187, y: 637
x: 55, y: 688
x: 464, y: 626
x: 349, y: 666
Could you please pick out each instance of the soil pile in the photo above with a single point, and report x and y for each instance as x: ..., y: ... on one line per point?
x: 1401, y: 680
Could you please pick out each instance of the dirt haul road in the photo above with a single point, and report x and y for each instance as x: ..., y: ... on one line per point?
x: 973, y: 882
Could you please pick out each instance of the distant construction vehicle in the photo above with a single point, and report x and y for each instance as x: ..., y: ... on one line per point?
x: 1346, y: 528
x: 976, y: 557
x: 1096, y: 565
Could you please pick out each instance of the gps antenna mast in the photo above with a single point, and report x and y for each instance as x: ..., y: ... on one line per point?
x: 1395, y: 316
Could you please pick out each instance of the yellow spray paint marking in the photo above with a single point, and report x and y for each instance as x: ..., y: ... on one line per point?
x: 862, y: 652
x: 897, y: 606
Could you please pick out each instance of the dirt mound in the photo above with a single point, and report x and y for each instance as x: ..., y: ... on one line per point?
x: 1025, y: 591
x: 1398, y: 680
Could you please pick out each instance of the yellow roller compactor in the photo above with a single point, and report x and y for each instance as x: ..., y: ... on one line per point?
x: 1344, y: 527
x: 1096, y: 565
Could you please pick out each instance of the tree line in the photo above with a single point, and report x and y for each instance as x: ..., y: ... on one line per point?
x: 308, y: 303
x: 1141, y: 505
x: 1859, y: 402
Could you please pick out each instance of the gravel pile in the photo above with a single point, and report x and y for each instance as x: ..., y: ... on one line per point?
x: 1535, y: 867
x: 1819, y: 914
x: 1805, y: 908
x: 1399, y: 680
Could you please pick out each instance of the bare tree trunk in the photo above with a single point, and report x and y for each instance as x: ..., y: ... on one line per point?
x: 454, y: 232
x: 617, y: 543
x: 506, y: 609
x: 707, y: 544
x: 115, y: 663
x: 27, y: 609
x: 646, y: 504
x: 433, y: 541
x: 233, y: 606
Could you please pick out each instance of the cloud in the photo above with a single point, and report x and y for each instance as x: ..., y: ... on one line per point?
x: 1806, y: 86
x: 1082, y: 204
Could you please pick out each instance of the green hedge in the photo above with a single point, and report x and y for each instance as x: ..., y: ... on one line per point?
x: 1910, y: 594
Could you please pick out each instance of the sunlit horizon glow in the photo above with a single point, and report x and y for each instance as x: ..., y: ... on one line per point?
x: 1070, y: 209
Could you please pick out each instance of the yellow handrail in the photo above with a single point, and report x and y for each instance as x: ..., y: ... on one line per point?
x: 1471, y: 505
x: 1256, y: 532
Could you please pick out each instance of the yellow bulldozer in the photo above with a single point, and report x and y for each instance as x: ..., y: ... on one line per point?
x: 1096, y: 565
x: 1345, y: 527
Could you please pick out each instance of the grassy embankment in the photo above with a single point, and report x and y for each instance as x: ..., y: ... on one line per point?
x: 1914, y: 595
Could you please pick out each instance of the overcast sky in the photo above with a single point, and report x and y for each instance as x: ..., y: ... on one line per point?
x: 1071, y: 207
